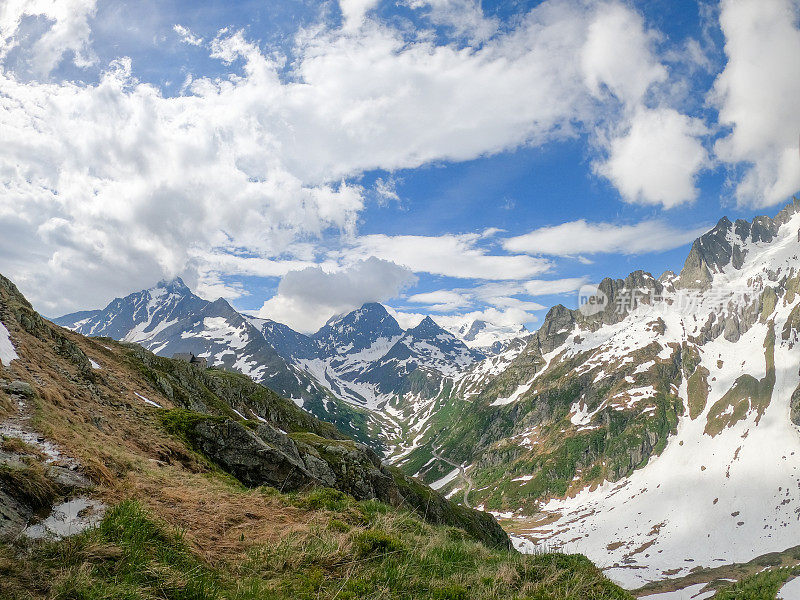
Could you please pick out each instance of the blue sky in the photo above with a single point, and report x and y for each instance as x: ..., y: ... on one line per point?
x: 452, y: 157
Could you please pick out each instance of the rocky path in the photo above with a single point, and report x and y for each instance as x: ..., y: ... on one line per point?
x: 73, y: 513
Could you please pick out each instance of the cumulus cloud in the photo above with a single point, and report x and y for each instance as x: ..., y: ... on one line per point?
x: 449, y: 255
x: 115, y: 179
x: 465, y: 18
x: 68, y: 31
x: 757, y: 97
x: 650, y: 154
x: 306, y: 299
x: 618, y: 56
x: 581, y: 237
x: 112, y: 185
x: 657, y: 160
x: 354, y: 11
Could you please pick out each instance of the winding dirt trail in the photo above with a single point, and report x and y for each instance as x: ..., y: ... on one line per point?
x: 462, y: 472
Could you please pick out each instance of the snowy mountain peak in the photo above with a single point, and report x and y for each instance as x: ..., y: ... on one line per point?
x: 358, y: 330
x: 427, y: 328
x: 728, y: 244
x: 172, y: 286
x: 488, y: 338
x: 433, y: 346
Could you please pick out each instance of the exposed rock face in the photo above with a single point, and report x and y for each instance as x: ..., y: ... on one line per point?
x: 14, y: 515
x: 726, y: 244
x: 709, y: 253
x: 17, y: 387
x: 247, y: 456
x: 557, y: 325
x: 794, y: 407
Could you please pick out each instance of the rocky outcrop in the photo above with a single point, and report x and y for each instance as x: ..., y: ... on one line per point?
x: 264, y: 455
x: 249, y: 457
x: 726, y: 244
x: 558, y: 324
x: 794, y: 407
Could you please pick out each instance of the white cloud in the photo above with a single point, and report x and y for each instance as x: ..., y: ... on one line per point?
x: 68, y: 32
x: 652, y: 154
x: 657, y: 160
x: 115, y: 181
x: 757, y: 95
x: 545, y: 287
x: 187, y: 36
x: 306, y: 299
x: 618, y: 54
x: 354, y: 12
x: 498, y: 303
x: 465, y: 18
x: 111, y: 185
x: 448, y: 255
x: 441, y: 300
x: 580, y: 237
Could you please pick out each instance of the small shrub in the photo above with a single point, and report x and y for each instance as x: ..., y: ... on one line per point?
x: 374, y: 542
x: 374, y: 508
x: 338, y: 525
x: 450, y: 592
x: 325, y: 498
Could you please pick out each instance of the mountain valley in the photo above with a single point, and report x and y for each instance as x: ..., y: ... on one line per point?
x: 613, y: 431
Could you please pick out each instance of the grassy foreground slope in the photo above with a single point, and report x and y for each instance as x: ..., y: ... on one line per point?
x: 340, y: 549
x: 180, y: 525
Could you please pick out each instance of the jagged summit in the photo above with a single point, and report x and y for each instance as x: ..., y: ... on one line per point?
x: 358, y: 330
x: 426, y: 328
x: 173, y: 286
x: 728, y: 243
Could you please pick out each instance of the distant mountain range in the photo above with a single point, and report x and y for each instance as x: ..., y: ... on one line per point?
x: 358, y: 371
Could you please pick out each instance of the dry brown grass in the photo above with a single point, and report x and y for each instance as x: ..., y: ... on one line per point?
x: 121, y: 445
x: 19, y: 446
x: 219, y: 518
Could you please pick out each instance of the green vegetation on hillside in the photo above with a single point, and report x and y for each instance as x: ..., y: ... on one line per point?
x: 761, y: 586
x: 562, y: 457
x: 350, y: 550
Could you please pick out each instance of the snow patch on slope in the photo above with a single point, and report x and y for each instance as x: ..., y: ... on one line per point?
x: 7, y: 350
